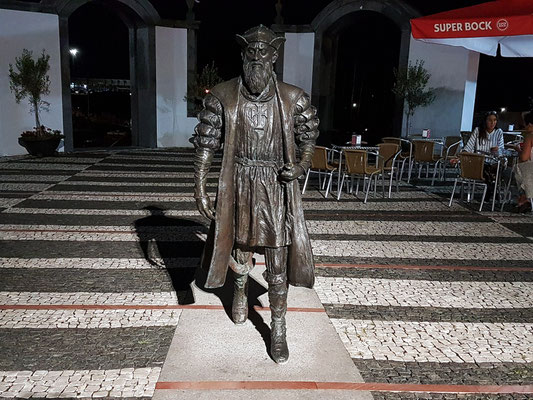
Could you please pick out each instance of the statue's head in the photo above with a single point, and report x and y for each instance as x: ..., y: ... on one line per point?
x: 259, y: 53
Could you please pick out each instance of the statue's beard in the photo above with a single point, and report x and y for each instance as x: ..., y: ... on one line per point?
x: 256, y: 77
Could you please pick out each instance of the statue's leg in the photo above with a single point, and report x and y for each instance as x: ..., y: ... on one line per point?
x: 276, y: 276
x: 241, y: 266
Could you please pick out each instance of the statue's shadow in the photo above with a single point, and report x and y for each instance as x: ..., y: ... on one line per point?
x: 180, y: 259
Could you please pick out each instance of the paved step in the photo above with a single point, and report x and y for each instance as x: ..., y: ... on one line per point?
x: 209, y: 349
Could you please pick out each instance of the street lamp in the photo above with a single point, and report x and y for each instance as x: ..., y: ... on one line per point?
x: 73, y: 52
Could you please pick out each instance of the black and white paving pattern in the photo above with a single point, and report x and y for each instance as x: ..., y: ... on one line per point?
x: 99, y: 255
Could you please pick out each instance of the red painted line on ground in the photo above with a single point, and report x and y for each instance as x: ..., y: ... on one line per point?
x: 376, y: 387
x: 17, y: 193
x: 97, y: 194
x: 440, y: 267
x: 390, y: 213
x: 66, y: 231
x: 235, y: 385
x: 445, y: 267
x: 138, y: 307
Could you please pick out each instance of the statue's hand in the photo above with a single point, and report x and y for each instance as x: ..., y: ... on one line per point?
x: 205, y: 207
x: 290, y: 172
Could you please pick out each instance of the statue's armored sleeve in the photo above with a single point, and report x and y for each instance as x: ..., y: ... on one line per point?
x: 207, y: 139
x: 305, y: 129
x: 208, y: 132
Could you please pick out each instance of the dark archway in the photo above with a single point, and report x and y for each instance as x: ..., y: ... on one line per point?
x: 329, y: 26
x: 363, y: 102
x: 100, y: 76
x: 140, y: 17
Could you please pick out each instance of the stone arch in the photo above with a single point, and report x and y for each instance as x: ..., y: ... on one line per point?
x: 143, y: 9
x: 330, y: 19
x: 140, y: 17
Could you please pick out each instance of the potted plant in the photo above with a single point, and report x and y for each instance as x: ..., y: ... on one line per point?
x: 410, y: 86
x: 29, y: 79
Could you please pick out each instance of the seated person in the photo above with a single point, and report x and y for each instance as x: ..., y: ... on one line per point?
x: 487, y: 139
x: 524, y: 174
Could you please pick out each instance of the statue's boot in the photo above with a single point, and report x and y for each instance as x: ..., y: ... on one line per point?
x: 239, y: 309
x: 277, y: 294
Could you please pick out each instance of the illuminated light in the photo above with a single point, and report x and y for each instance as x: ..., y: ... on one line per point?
x: 354, y: 105
x: 206, y: 91
x: 366, y: 129
x: 503, y: 109
x: 74, y: 52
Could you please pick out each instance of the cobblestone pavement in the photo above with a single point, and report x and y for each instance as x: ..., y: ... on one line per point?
x: 97, y: 252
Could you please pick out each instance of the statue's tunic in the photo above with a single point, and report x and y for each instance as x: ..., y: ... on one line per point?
x: 260, y: 212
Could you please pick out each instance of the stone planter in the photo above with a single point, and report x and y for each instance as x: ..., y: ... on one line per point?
x: 41, y: 147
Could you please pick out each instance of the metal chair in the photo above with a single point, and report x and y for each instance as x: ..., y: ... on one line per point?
x: 471, y: 166
x: 451, y: 141
x: 465, y: 135
x: 452, y: 147
x: 424, y: 155
x: 389, y: 153
x: 321, y: 166
x: 356, y: 165
x: 405, y: 156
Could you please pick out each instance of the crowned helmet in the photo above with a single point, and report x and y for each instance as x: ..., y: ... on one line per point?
x: 260, y: 34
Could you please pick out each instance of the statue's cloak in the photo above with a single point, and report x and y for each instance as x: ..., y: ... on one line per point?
x: 220, y: 240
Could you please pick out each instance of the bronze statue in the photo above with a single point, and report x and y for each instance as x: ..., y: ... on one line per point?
x: 258, y: 121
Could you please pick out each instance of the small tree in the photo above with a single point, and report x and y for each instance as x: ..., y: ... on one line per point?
x: 29, y: 79
x: 201, y: 85
x: 410, y: 86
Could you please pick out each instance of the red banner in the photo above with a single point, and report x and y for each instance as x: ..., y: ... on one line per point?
x: 497, y: 18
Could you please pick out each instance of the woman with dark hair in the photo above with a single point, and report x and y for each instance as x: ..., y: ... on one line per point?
x: 486, y: 138
x: 524, y: 170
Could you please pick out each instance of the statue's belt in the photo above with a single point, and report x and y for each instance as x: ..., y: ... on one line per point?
x: 247, y: 162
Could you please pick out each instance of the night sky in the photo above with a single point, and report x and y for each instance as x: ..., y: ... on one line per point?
x: 502, y: 82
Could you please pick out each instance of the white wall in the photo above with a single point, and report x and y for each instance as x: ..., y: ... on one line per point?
x: 298, y: 60
x: 174, y: 128
x: 453, y: 76
x: 33, y: 31
x: 469, y: 102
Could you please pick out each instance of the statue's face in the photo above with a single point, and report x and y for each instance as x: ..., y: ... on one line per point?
x: 260, y: 53
x: 258, y: 65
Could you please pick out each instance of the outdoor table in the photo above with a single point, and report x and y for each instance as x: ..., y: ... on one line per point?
x: 436, y: 140
x: 420, y: 137
x: 512, y: 134
x: 349, y: 147
x: 513, y: 137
